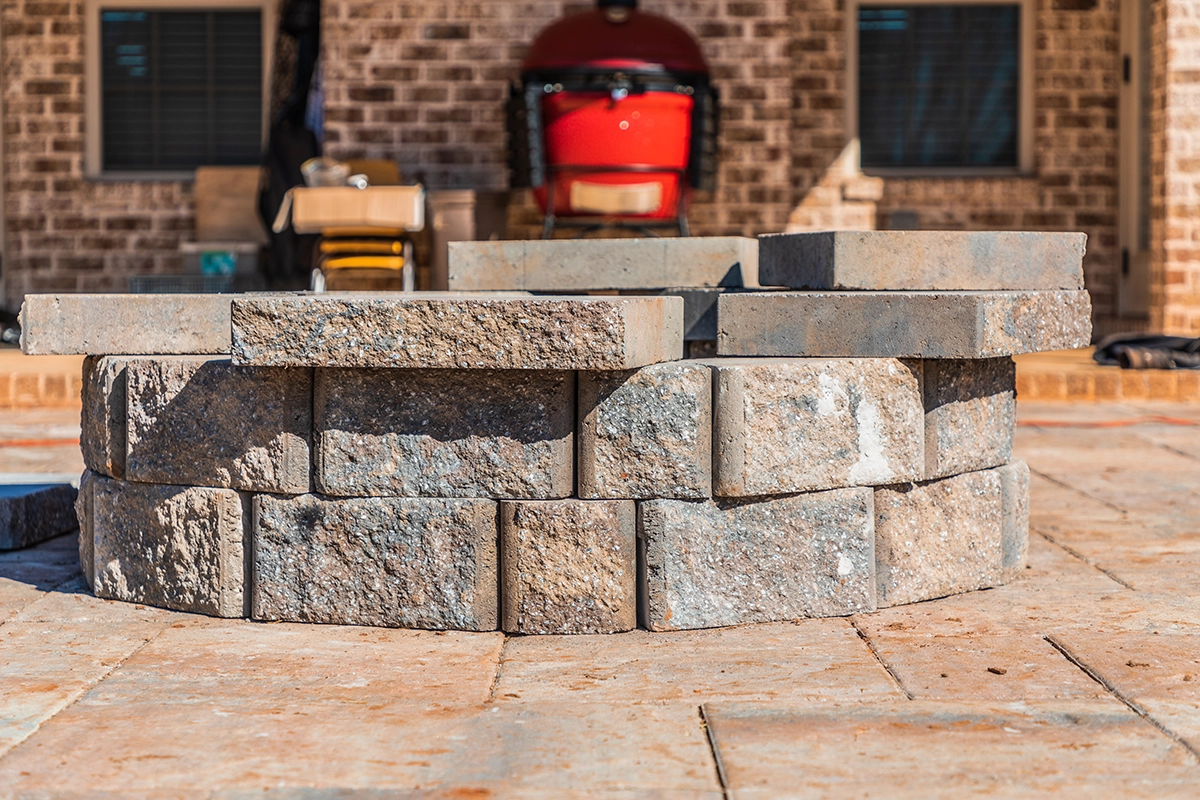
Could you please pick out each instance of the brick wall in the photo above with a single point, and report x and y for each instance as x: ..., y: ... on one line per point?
x: 65, y: 233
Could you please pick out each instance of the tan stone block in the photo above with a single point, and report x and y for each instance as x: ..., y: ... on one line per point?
x: 970, y: 414
x: 568, y: 566
x: 1162, y: 384
x: 1134, y: 385
x: 1107, y: 384
x: 102, y: 432
x: 124, y: 324
x: 796, y: 425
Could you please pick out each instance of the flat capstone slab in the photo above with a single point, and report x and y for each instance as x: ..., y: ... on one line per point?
x: 445, y: 433
x: 447, y: 331
x: 568, y: 566
x: 125, y: 324
x: 646, y: 433
x: 177, y: 547
x: 923, y: 260
x: 207, y: 422
x: 805, y: 424
x: 31, y: 513
x: 420, y: 563
x: 712, y: 564
x: 970, y: 414
x: 600, y: 264
x: 902, y: 324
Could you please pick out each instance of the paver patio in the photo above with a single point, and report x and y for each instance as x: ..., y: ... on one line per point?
x: 1081, y: 678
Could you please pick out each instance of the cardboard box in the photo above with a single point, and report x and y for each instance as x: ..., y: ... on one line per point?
x: 313, y: 209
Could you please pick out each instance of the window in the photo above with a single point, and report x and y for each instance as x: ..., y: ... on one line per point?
x: 941, y: 87
x: 174, y: 88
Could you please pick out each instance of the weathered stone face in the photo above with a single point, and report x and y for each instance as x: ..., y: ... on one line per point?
x: 646, y: 433
x: 124, y: 324
x: 569, y: 566
x: 33, y: 513
x: 394, y: 562
x: 170, y: 546
x: 796, y: 425
x: 970, y: 414
x: 902, y: 324
x: 445, y: 433
x: 923, y: 260
x: 206, y: 422
x: 102, y: 421
x: 713, y: 564
x: 566, y: 266
x: 84, y: 515
x: 457, y: 331
x: 1014, y: 489
x: 938, y: 538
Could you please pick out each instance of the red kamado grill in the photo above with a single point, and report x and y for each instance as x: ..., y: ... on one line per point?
x: 614, y: 122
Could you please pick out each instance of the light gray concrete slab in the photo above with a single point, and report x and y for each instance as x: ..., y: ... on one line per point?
x: 125, y: 324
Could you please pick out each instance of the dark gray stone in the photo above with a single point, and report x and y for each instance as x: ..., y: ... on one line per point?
x: 31, y: 513
x: 395, y: 562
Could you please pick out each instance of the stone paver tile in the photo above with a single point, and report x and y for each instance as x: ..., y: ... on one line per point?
x: 73, y: 602
x: 925, y: 748
x: 360, y: 740
x: 57, y: 459
x: 810, y: 660
x: 45, y: 666
x: 26, y: 575
x: 451, y: 793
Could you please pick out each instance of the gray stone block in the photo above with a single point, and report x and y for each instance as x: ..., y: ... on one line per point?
x: 902, y: 324
x: 1014, y: 491
x: 970, y: 414
x: 178, y: 547
x: 709, y: 564
x: 394, y: 562
x: 797, y: 425
x: 102, y: 427
x: 938, y: 538
x: 124, y: 324
x: 206, y: 422
x: 445, y: 433
x: 457, y: 331
x: 31, y: 513
x: 646, y: 433
x: 923, y: 260
x: 568, y: 566
x: 85, y: 505
x: 574, y: 265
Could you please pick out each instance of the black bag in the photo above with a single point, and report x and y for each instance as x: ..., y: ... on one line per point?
x: 1148, y: 351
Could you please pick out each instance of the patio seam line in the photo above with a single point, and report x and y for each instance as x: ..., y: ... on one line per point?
x: 1170, y: 449
x: 5, y: 754
x: 491, y: 698
x: 886, y: 667
x: 714, y: 748
x: 1069, y: 487
x: 1073, y: 552
x: 55, y: 588
x: 1068, y: 654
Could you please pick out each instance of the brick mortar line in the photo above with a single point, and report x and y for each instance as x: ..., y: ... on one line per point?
x: 1072, y: 551
x: 6, y: 753
x: 715, y: 749
x: 886, y: 667
x: 1069, y: 655
x: 1071, y: 488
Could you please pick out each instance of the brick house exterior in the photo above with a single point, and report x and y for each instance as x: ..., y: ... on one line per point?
x: 424, y: 83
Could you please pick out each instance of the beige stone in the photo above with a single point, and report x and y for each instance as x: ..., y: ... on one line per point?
x: 970, y: 414
x: 796, y: 425
x: 1014, y: 495
x: 124, y: 324
x: 458, y: 331
x: 646, y: 433
x: 103, y: 423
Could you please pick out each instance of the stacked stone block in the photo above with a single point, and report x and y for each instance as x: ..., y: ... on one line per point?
x: 550, y: 464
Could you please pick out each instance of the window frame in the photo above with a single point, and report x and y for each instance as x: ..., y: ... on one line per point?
x: 93, y: 156
x: 1025, y: 109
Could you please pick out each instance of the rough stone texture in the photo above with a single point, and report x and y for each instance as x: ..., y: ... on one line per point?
x: 923, y: 260
x: 445, y: 433
x: 568, y: 566
x: 797, y: 425
x: 706, y: 565
x: 406, y: 563
x: 457, y: 331
x: 102, y: 425
x: 1014, y: 491
x: 646, y: 433
x: 569, y: 265
x: 34, y: 512
x: 938, y: 538
x: 176, y: 547
x: 970, y: 414
x: 85, y: 515
x: 206, y: 422
x: 902, y: 324
x: 124, y: 324
x: 699, y: 310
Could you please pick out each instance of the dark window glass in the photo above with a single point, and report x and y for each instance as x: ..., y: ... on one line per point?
x: 938, y: 85
x: 181, y: 89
